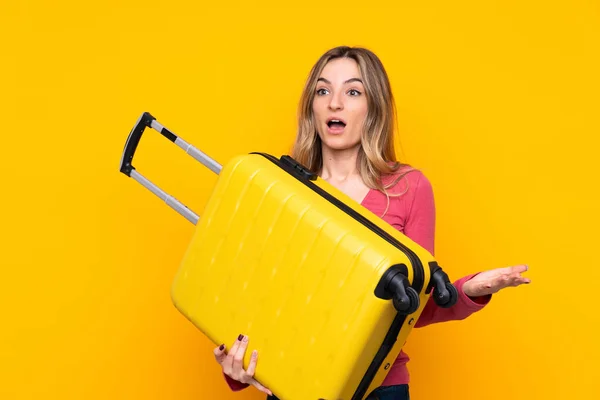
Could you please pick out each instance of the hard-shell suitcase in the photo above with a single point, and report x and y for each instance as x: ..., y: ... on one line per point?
x: 327, y: 291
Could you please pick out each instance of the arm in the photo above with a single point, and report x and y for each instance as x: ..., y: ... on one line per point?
x: 464, y: 307
x: 420, y: 227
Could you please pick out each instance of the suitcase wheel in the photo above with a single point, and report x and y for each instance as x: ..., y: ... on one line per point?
x: 407, y: 302
x: 395, y: 285
x: 445, y: 294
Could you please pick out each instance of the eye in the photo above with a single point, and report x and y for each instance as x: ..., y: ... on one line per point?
x: 353, y: 92
x: 321, y: 92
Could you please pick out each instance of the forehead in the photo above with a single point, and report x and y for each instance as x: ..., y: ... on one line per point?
x: 340, y: 70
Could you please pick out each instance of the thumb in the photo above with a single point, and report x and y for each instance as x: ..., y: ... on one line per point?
x: 260, y: 387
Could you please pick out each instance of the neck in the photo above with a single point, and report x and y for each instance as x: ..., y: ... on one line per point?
x: 340, y: 165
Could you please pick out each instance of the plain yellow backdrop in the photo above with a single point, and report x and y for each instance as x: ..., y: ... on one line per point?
x: 498, y: 105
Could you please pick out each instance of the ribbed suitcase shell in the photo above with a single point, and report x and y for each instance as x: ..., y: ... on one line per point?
x: 277, y: 261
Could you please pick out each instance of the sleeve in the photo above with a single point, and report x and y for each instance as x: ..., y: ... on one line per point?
x: 234, y: 385
x: 420, y: 227
x: 464, y: 307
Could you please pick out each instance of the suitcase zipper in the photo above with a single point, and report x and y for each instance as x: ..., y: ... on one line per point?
x: 305, y: 176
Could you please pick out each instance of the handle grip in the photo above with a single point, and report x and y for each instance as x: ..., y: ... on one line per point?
x: 146, y: 120
x: 143, y: 122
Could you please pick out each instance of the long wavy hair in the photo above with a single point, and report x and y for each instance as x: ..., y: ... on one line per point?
x: 377, y: 155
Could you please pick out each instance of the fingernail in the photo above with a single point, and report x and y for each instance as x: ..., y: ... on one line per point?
x: 221, y: 347
x: 240, y: 337
x: 254, y: 353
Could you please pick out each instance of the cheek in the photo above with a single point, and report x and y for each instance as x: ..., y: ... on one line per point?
x: 316, y: 117
x: 363, y: 109
x: 315, y: 113
x: 317, y: 107
x: 360, y: 114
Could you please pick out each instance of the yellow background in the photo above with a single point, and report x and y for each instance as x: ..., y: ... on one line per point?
x: 498, y: 104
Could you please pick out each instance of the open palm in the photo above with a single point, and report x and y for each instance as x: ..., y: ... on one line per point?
x: 492, y: 281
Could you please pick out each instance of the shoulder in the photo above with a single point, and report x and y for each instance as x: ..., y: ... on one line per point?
x: 410, y: 193
x: 409, y: 197
x: 408, y: 181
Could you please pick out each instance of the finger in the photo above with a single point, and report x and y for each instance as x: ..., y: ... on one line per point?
x: 261, y: 387
x: 236, y: 344
x: 252, y: 364
x: 519, y: 269
x: 234, y: 347
x: 520, y: 280
x: 238, y: 357
x: 512, y: 280
x: 220, y: 354
x: 228, y: 362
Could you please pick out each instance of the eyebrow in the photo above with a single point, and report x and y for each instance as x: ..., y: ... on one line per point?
x: 348, y: 81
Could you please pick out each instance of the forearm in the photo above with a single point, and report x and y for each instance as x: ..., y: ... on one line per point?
x: 464, y: 307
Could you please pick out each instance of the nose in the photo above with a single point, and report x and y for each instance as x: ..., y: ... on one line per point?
x: 335, y: 102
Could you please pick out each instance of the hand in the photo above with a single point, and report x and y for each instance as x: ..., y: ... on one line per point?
x: 232, y: 363
x: 488, y: 282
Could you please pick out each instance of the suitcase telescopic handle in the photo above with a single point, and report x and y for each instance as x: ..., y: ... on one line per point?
x: 146, y: 120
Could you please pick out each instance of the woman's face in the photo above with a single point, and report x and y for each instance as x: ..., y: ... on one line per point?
x: 340, y: 104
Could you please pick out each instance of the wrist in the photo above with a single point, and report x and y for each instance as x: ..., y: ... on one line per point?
x: 467, y: 289
x: 470, y: 290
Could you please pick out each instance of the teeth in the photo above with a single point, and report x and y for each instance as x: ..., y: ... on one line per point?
x: 335, y: 121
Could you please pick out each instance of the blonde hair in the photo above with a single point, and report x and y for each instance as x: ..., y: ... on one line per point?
x: 377, y: 155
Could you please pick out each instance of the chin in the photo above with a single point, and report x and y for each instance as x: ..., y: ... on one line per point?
x: 340, y: 143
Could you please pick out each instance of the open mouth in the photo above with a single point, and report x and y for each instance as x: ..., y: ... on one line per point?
x: 336, y: 124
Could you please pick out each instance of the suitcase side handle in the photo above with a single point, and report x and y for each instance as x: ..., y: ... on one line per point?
x: 146, y: 120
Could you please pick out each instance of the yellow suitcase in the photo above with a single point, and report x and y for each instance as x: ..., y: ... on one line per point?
x: 326, y: 291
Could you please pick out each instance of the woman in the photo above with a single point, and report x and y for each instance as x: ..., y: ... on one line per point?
x: 345, y: 135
